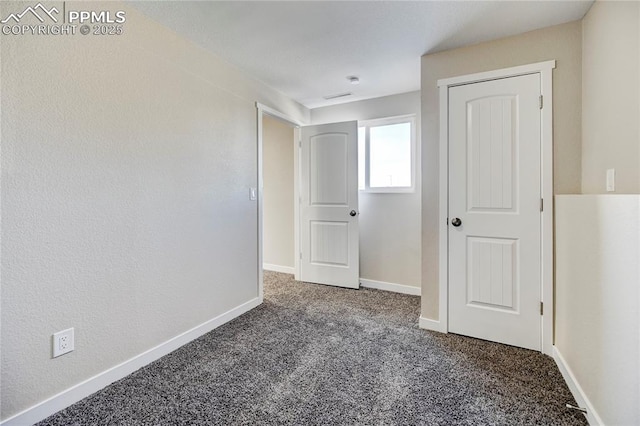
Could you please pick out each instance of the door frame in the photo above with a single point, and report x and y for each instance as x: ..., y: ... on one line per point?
x: 263, y: 110
x: 545, y: 69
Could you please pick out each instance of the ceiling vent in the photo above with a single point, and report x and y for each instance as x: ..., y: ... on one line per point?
x: 341, y: 95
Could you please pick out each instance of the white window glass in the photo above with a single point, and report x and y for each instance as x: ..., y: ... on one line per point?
x: 390, y: 156
x: 386, y: 154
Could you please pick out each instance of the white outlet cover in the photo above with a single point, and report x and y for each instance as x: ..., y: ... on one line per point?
x: 63, y: 342
x: 611, y: 180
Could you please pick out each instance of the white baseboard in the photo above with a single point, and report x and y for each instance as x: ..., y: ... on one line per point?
x: 396, y: 288
x: 277, y: 268
x: 75, y: 393
x: 430, y: 324
x: 576, y: 390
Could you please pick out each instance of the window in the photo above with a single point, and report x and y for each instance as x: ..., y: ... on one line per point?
x: 386, y: 154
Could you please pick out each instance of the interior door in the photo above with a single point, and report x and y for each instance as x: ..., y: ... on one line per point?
x: 329, y: 205
x: 495, y: 211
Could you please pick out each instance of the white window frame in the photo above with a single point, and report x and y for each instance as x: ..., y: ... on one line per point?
x: 367, y: 124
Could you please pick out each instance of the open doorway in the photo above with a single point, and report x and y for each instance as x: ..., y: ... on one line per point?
x: 277, y: 136
x: 308, y: 200
x: 278, y: 152
x: 390, y: 226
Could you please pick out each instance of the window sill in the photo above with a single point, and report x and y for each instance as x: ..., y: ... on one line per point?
x: 387, y: 190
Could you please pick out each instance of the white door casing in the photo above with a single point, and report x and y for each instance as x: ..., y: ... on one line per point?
x: 494, y: 198
x: 545, y: 69
x: 328, y: 208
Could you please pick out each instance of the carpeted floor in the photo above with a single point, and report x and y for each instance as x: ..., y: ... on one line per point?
x: 318, y: 355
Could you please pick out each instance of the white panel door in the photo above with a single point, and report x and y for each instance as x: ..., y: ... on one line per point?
x: 494, y: 211
x: 329, y: 205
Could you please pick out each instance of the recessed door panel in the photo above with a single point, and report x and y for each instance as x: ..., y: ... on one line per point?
x: 328, y: 180
x: 329, y: 243
x: 492, y: 265
x: 491, y: 138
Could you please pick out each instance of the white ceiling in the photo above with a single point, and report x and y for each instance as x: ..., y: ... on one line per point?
x: 306, y: 49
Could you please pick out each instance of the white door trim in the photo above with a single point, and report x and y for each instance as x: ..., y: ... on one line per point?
x: 261, y: 111
x: 545, y: 69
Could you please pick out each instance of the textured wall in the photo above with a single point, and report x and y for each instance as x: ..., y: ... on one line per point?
x: 610, y: 100
x: 562, y: 43
x: 126, y: 167
x: 389, y: 223
x: 277, y: 160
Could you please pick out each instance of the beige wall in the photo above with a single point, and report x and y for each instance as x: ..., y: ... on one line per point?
x: 610, y: 100
x: 562, y: 43
x: 389, y: 223
x: 126, y: 167
x: 277, y: 171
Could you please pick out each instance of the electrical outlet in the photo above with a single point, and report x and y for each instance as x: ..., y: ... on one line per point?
x: 63, y: 342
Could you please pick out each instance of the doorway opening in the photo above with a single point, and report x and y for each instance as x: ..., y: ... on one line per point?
x: 278, y: 195
x: 307, y: 200
x: 277, y: 211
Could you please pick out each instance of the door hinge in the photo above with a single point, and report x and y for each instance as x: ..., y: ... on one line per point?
x: 300, y: 255
x: 541, y: 204
x: 541, y: 102
x: 541, y: 308
x: 299, y: 143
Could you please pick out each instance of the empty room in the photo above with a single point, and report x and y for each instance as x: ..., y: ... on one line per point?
x: 320, y: 212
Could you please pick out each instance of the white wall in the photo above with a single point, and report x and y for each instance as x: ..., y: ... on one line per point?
x: 610, y: 100
x: 126, y: 167
x: 390, y: 244
x: 597, y: 308
x: 277, y: 171
x: 597, y: 334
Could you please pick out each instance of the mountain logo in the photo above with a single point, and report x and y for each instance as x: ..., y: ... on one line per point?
x: 38, y: 11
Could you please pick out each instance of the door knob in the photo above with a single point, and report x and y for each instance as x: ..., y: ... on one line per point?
x: 353, y: 213
x: 456, y: 221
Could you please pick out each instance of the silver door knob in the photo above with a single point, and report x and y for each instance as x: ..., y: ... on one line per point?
x: 353, y: 213
x: 456, y: 221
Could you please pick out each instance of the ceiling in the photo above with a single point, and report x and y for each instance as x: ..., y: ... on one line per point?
x: 306, y: 49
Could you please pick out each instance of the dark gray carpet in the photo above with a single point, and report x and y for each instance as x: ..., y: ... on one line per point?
x: 317, y: 355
